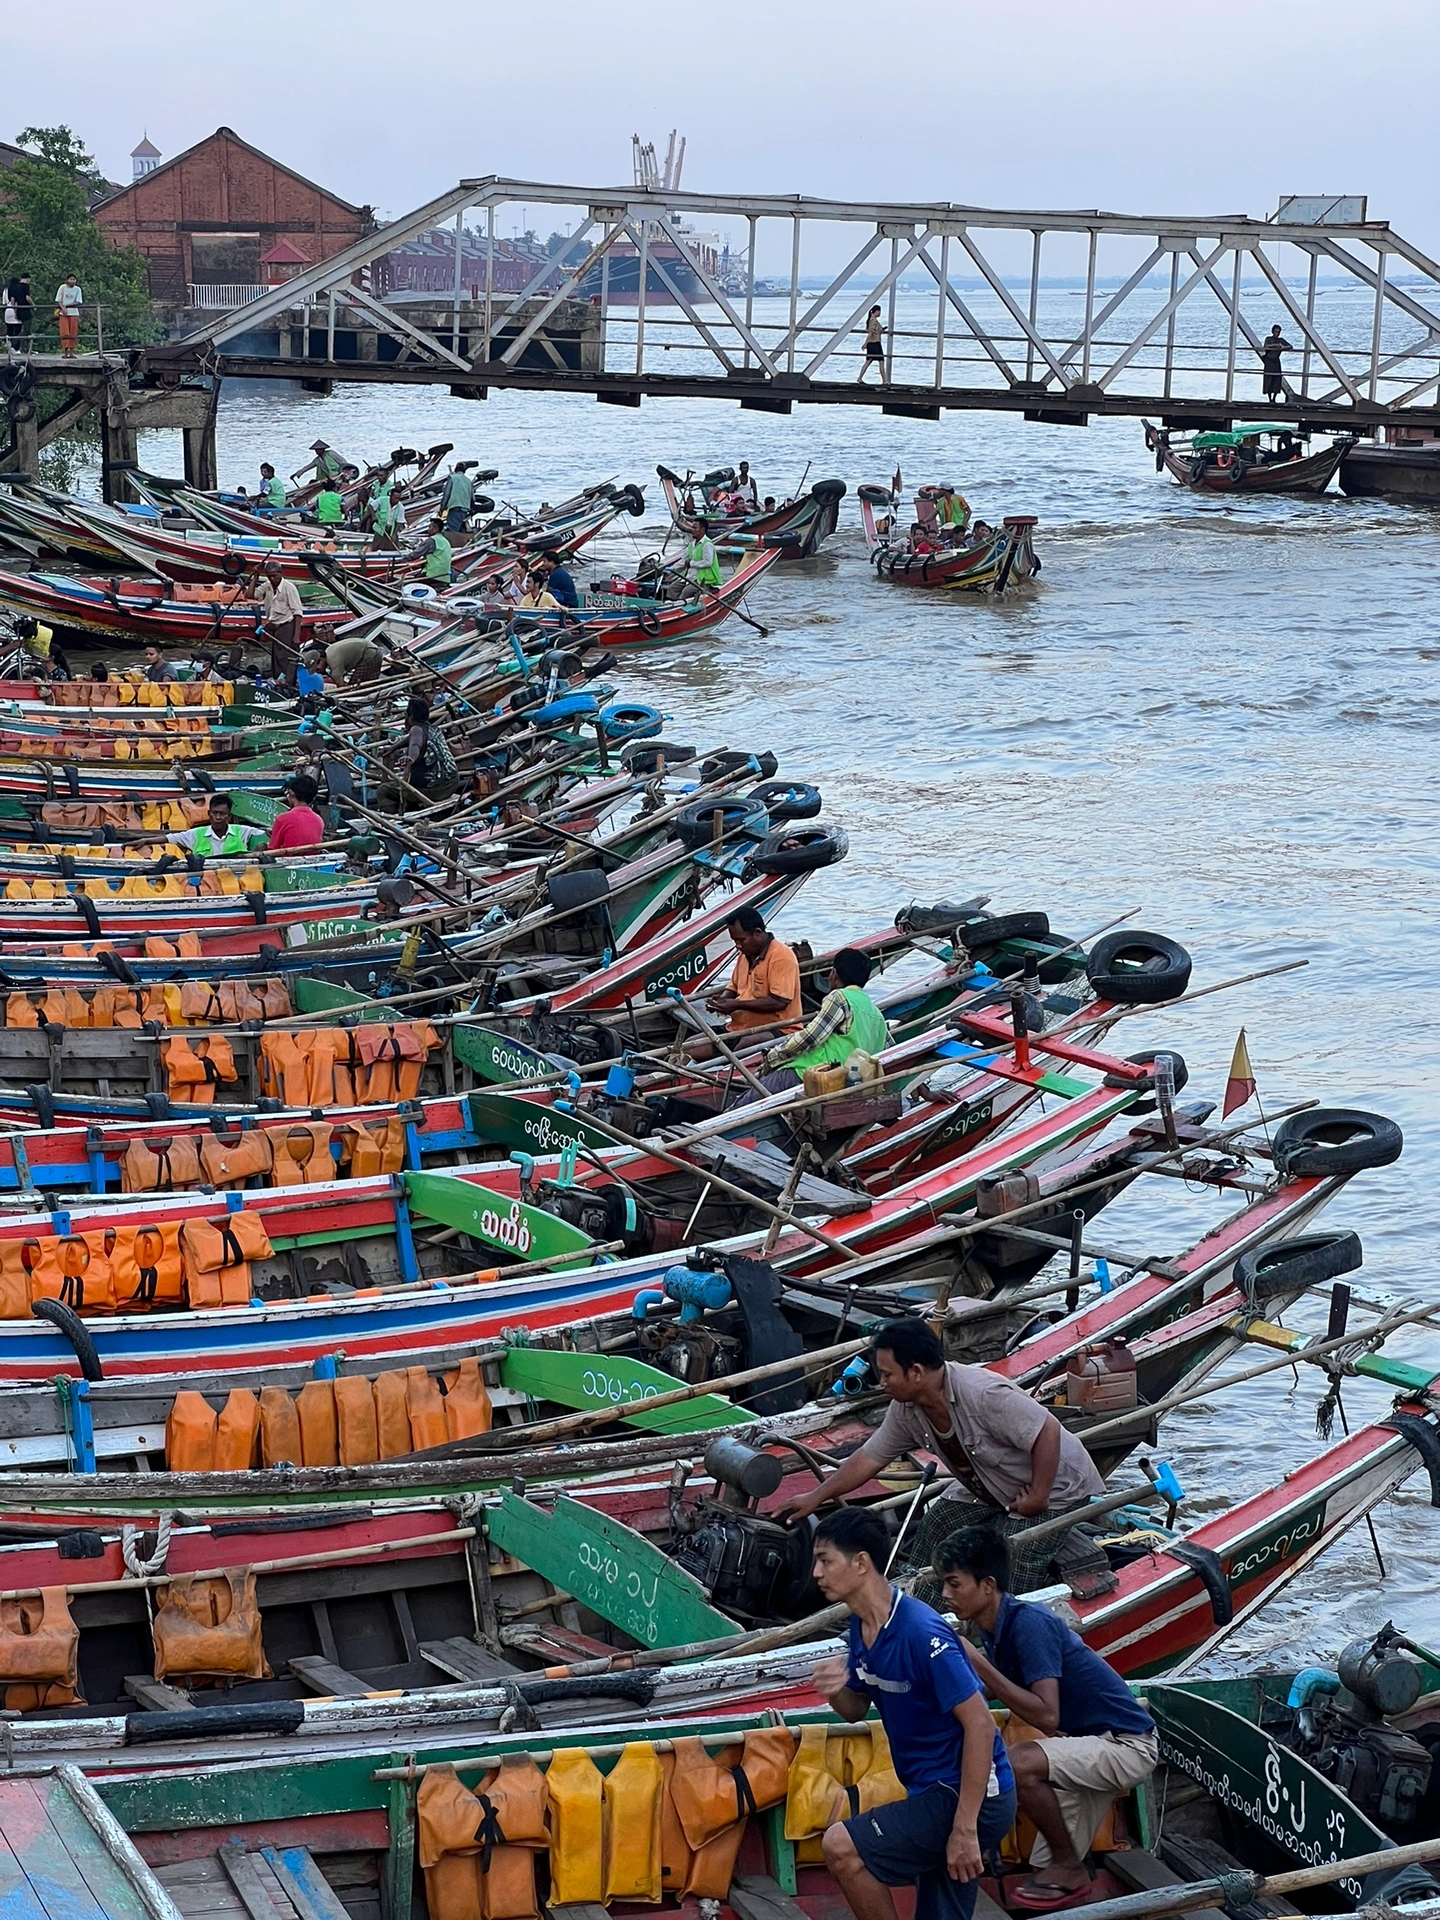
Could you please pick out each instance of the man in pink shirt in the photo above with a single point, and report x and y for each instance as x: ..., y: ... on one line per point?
x: 300, y: 825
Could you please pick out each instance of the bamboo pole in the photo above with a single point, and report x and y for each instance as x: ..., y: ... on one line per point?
x: 605, y: 1416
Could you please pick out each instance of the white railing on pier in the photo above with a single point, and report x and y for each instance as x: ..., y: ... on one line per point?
x: 220, y: 296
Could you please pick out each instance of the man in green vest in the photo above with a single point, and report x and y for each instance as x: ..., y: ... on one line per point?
x: 702, y: 563
x: 848, y: 1020
x: 272, y: 491
x: 222, y: 834
x: 438, y: 555
x: 456, y: 501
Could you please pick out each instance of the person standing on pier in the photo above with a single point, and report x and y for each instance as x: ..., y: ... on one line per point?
x: 68, y: 301
x: 19, y: 304
x: 874, y: 349
x: 1271, y: 348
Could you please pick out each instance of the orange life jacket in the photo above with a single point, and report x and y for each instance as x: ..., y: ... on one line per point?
x: 392, y: 1417
x: 377, y: 1148
x: 20, y: 1011
x: 279, y: 1428
x: 230, y: 1161
x: 301, y: 1153
x: 315, y: 1410
x: 200, y: 1002
x: 195, y: 1072
x: 467, y: 1402
x: 146, y: 1266
x: 237, y: 1433
x: 426, y: 1410
x: 209, y: 1628
x: 395, y: 1058
x: 190, y: 1434
x: 39, y: 1651
x: 357, y: 1435
x: 87, y: 1281
x: 218, y: 1256
x: 285, y: 1066
x: 702, y: 1872
x: 160, y: 1163
x: 709, y: 1797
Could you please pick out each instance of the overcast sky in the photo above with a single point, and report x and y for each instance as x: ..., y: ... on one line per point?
x: 1140, y: 106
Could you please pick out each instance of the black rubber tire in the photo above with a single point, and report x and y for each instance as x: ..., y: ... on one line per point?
x: 694, y: 825
x: 829, y: 490
x: 988, y: 930
x: 1288, y: 1266
x: 66, y: 1321
x: 788, y: 800
x: 1145, y: 1059
x: 1133, y: 968
x: 632, y: 499
x: 1335, y: 1140
x: 720, y: 766
x: 233, y: 566
x: 800, y: 849
x: 643, y: 756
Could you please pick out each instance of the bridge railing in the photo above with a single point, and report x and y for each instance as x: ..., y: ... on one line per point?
x: 1070, y: 313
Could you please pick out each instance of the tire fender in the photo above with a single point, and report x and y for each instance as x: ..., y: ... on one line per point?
x: 1336, y: 1140
x: 68, y: 1323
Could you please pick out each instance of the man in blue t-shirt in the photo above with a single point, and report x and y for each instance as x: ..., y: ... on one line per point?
x: 1097, y: 1741
x: 905, y: 1661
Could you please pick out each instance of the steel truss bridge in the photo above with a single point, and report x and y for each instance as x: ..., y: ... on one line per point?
x: 1155, y: 316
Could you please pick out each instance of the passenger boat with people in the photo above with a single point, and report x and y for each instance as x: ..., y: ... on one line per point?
x: 734, y: 518
x: 1261, y: 458
x: 977, y: 557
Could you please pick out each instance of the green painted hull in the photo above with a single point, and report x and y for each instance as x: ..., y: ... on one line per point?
x: 586, y: 1380
x: 510, y: 1226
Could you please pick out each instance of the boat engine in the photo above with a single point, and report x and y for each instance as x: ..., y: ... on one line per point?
x: 1342, y: 1728
x: 730, y: 1318
x: 750, y: 1567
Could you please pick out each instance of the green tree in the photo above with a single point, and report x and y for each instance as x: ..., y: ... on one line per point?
x: 48, y: 231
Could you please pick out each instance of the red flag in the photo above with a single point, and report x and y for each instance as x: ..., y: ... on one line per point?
x: 1240, y: 1086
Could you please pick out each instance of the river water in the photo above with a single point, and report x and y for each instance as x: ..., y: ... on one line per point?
x: 1220, y: 712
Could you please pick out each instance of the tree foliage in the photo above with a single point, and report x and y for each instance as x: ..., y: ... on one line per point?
x: 48, y: 231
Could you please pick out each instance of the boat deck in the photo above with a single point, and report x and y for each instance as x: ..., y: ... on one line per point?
x: 63, y: 1857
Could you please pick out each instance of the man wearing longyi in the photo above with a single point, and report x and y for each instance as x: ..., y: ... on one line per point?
x: 947, y: 1752
x: 1003, y: 1448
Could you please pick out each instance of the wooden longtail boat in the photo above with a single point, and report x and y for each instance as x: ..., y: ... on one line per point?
x: 140, y: 612
x: 1263, y: 458
x: 990, y: 564
x: 802, y: 524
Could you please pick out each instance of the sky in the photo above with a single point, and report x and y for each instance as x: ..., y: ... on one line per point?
x: 1150, y: 107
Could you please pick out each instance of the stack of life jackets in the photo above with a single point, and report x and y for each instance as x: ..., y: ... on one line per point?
x: 217, y: 1257
x: 345, y: 1066
x: 209, y: 1630
x: 348, y: 1422
x: 142, y: 693
x: 833, y: 1777
x: 287, y: 1155
x: 107, y: 1270
x: 127, y: 816
x: 39, y: 1651
x: 193, y: 1070
x: 656, y: 1824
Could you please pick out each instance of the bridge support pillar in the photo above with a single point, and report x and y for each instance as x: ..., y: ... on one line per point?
x: 24, y: 433
x: 119, y: 449
x: 201, y: 465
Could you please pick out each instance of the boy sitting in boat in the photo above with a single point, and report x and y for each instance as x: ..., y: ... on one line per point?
x: 1095, y: 1739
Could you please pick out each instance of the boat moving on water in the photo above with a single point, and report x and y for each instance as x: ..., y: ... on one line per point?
x: 1263, y: 458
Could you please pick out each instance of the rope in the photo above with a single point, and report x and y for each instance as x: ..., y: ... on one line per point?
x: 130, y: 1538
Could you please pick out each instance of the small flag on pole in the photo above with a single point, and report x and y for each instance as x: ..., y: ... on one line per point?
x: 1240, y: 1086
x: 897, y: 484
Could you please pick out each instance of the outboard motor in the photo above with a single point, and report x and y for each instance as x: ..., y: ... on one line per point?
x: 751, y: 1568
x: 1346, y: 1734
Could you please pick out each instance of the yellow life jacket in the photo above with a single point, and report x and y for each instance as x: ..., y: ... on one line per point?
x: 634, y: 1789
x: 577, y: 1826
x: 835, y: 1776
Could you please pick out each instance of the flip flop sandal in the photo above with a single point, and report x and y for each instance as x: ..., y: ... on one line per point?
x: 1039, y: 1896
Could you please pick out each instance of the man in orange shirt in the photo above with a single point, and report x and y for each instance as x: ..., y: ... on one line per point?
x: 765, y: 985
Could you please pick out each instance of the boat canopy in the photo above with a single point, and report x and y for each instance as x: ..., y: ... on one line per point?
x: 1238, y: 434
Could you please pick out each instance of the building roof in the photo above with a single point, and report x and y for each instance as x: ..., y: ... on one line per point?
x: 9, y: 155
x: 282, y: 254
x: 228, y: 133
x: 147, y: 150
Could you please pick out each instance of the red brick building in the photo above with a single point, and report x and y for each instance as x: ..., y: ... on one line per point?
x: 209, y: 216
